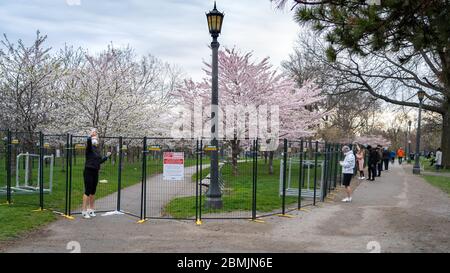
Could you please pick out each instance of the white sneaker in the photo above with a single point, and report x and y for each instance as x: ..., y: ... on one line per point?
x: 91, y: 213
x: 85, y: 215
x: 345, y: 199
x: 363, y: 177
x: 349, y: 199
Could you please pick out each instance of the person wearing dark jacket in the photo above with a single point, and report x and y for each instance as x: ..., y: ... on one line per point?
x: 380, y: 160
x: 386, y: 157
x: 372, y: 162
x: 90, y: 174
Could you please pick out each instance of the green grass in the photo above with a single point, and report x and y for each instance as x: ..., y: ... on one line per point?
x: 426, y: 164
x: 237, y: 196
x: 19, y: 218
x: 440, y: 182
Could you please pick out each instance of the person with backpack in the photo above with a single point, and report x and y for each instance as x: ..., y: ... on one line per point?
x: 392, y: 157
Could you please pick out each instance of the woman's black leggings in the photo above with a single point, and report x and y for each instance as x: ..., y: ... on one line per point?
x: 90, y: 181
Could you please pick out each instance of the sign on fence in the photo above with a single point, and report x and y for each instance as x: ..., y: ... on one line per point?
x: 173, y: 166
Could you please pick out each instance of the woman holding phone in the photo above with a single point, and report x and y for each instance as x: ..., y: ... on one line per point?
x: 90, y: 174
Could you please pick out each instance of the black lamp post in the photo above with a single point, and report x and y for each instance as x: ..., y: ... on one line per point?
x: 409, y: 141
x: 214, y: 195
x: 416, y: 169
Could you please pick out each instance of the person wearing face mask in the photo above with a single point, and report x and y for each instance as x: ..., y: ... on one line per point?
x: 348, y: 166
x: 90, y: 174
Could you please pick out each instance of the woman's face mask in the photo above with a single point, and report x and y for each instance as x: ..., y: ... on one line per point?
x: 94, y: 141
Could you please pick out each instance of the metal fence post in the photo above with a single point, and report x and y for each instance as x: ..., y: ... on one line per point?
x: 324, y: 186
x: 41, y: 170
x: 196, y: 181
x: 336, y: 164
x: 285, y: 150
x: 8, y: 169
x: 300, y: 176
x: 119, y: 174
x: 255, y: 175
x: 200, y: 181
x: 144, y: 181
x: 142, y: 190
x: 315, y: 171
x: 66, y: 207
x: 71, y: 150
x: 331, y: 169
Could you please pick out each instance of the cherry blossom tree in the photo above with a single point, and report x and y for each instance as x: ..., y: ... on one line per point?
x: 73, y: 90
x: 250, y: 88
x: 115, y: 92
x: 27, y: 89
x: 373, y: 140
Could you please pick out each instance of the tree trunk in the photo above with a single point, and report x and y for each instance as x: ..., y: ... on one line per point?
x: 445, y: 139
x: 265, y: 158
x: 271, y: 162
x: 234, y: 155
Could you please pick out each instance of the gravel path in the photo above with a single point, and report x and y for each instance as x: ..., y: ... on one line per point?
x: 399, y: 211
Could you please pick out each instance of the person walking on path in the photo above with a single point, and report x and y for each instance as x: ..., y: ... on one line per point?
x: 400, y: 155
x: 372, y: 162
x: 386, y: 159
x: 392, y: 157
x: 438, y: 159
x: 380, y: 160
x: 348, y: 166
x: 360, y: 159
x: 90, y: 174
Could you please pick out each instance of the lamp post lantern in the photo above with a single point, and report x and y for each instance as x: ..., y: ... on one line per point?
x: 214, y: 195
x: 416, y: 169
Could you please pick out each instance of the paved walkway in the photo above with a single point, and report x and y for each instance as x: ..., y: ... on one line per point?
x: 159, y: 193
x: 399, y: 212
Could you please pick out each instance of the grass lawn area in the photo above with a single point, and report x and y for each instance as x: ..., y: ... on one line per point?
x: 18, y: 218
x: 237, y: 196
x: 440, y: 182
x: 426, y: 164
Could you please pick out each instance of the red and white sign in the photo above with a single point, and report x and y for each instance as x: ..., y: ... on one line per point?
x: 173, y: 166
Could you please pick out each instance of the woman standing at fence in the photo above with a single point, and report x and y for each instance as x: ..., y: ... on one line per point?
x: 348, y: 166
x: 91, y: 170
x: 360, y: 160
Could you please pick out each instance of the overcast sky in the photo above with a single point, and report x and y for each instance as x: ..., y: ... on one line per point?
x: 173, y: 30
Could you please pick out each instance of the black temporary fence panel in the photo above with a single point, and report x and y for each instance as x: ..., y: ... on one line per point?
x: 55, y: 172
x: 270, y: 194
x: 24, y: 163
x: 128, y: 156
x: 165, y: 178
x: 170, y: 189
x: 236, y: 179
